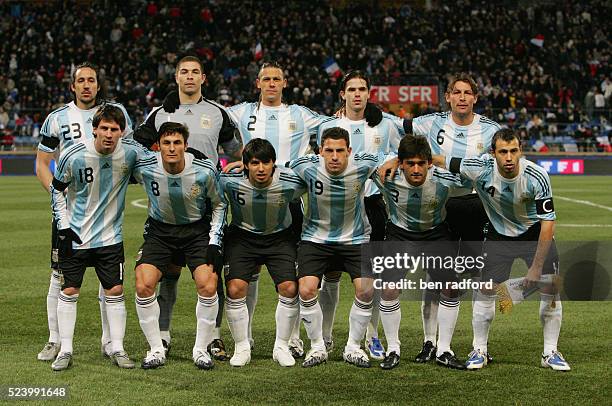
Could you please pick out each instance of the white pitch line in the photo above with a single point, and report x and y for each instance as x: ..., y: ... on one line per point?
x: 139, y: 203
x: 585, y: 202
x: 583, y: 225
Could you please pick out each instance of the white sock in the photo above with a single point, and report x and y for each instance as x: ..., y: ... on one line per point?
x: 312, y: 316
x: 372, y: 330
x: 147, y: 309
x: 238, y: 321
x: 359, y: 317
x: 286, y: 313
x: 206, y: 317
x: 117, y: 317
x: 483, y: 314
x: 295, y: 330
x: 329, y: 295
x: 429, y: 314
x: 165, y: 335
x: 551, y: 321
x: 391, y: 316
x: 447, y: 319
x: 66, y: 319
x: 166, y: 298
x: 55, y: 288
x: 103, y: 317
x: 251, y: 301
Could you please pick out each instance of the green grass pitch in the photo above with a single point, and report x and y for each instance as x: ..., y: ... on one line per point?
x: 515, y: 339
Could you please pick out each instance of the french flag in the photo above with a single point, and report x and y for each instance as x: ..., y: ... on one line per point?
x: 539, y: 146
x: 331, y: 67
x: 538, y: 40
x: 258, y: 51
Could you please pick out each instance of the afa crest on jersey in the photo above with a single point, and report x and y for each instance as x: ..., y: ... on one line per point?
x: 205, y: 121
x: 356, y: 188
x: 292, y: 125
x: 280, y: 202
x: 124, y: 169
x: 525, y: 197
x: 195, y: 191
x: 378, y: 140
x: 433, y: 203
x: 480, y: 147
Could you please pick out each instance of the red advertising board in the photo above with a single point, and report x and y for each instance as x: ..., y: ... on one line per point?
x: 404, y: 94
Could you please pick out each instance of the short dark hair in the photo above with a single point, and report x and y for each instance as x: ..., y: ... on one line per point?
x: 462, y: 77
x: 411, y: 146
x: 271, y: 64
x: 336, y: 133
x: 505, y: 134
x: 189, y: 58
x: 85, y: 65
x: 259, y: 148
x: 169, y: 127
x: 109, y: 112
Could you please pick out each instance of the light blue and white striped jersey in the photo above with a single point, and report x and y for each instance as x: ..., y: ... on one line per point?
x: 512, y: 205
x: 288, y: 128
x: 448, y: 138
x: 262, y: 211
x: 421, y: 208
x: 336, y: 211
x: 70, y: 125
x: 95, y: 187
x: 379, y: 140
x: 182, y: 198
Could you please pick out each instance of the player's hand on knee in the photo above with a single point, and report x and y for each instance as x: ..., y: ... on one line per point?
x: 533, y: 277
x: 214, y: 257
x: 171, y: 102
x: 236, y: 167
x: 65, y: 238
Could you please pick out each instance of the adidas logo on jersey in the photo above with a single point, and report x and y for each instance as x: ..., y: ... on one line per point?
x: 507, y: 189
x: 461, y: 135
x: 415, y: 195
x: 175, y: 184
x: 357, y: 131
x: 189, y: 113
x: 259, y: 196
x: 105, y: 166
x: 89, y: 120
x: 272, y: 117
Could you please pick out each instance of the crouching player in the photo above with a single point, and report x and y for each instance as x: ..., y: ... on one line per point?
x: 336, y: 227
x: 178, y: 186
x: 517, y: 197
x: 416, y: 198
x: 88, y: 197
x: 260, y: 234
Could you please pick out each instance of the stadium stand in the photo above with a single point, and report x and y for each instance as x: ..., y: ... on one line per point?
x: 542, y: 67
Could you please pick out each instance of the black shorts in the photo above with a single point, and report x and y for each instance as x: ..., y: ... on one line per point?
x: 314, y: 259
x: 297, y: 219
x: 467, y: 220
x: 500, y: 252
x: 54, y: 246
x: 377, y: 216
x: 107, y: 261
x: 165, y: 242
x: 244, y: 251
x: 422, y: 243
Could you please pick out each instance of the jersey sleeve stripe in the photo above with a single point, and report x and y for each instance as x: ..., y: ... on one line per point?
x: 540, y: 178
x: 69, y: 153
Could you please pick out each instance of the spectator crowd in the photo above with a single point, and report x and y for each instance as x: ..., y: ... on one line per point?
x: 541, y: 66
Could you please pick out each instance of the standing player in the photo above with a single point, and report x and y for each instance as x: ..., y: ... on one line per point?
x: 260, y: 234
x: 68, y: 125
x: 179, y: 188
x: 292, y: 130
x: 335, y: 227
x: 517, y: 197
x: 416, y: 199
x: 209, y: 126
x: 88, y: 198
x: 378, y: 140
x: 460, y: 133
